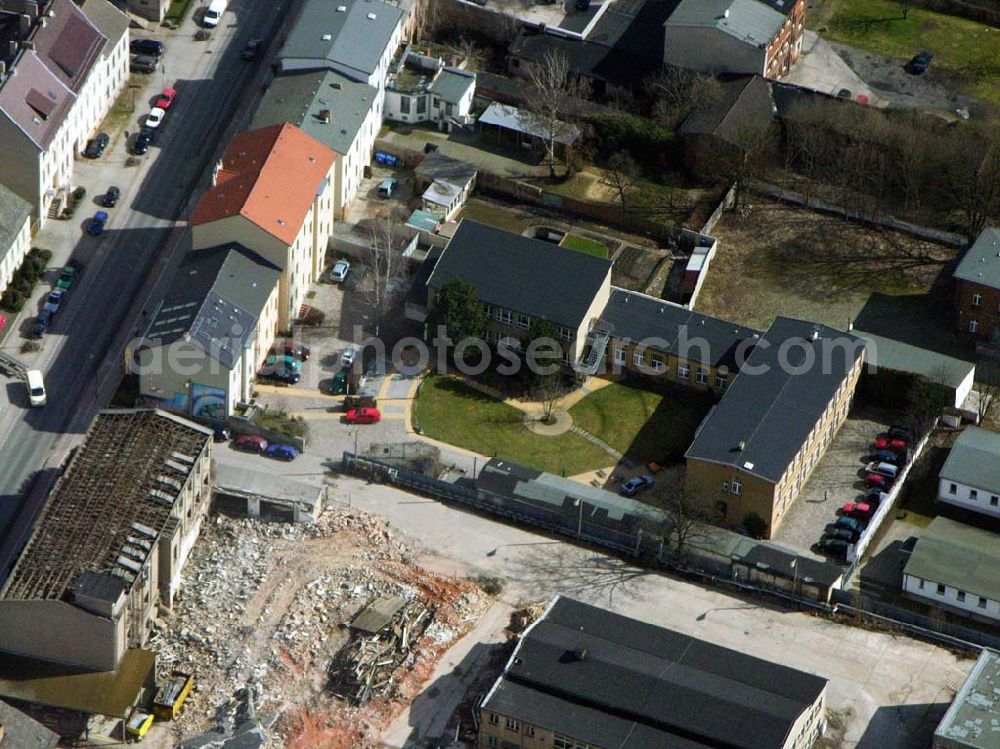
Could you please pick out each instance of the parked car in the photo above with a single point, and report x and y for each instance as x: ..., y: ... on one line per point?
x: 95, y: 226
x: 42, y: 323
x: 886, y: 469
x: 146, y: 47
x: 875, y: 497
x: 338, y: 384
x: 221, y: 433
x: 873, y: 480
x: 143, y: 64
x: 155, y: 117
x: 340, y: 270
x: 362, y: 400
x: 67, y: 277
x: 634, y: 485
x: 142, y: 141
x: 387, y: 186
x: 347, y: 358
x: 96, y: 145
x: 54, y: 299
x: 251, y: 50
x: 283, y: 374
x: 279, y: 361
x: 852, y: 524
x: 282, y: 452
x: 833, y: 547
x: 166, y: 98
x: 920, y: 63
x: 364, y: 416
x: 888, y: 456
x: 885, y: 442
x: 292, y: 348
x: 844, y: 93
x: 900, y: 433
x: 859, y: 510
x: 840, y: 534
x: 251, y: 443
x: 111, y: 197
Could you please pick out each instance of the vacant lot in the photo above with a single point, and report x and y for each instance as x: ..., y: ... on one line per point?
x: 967, y: 50
x: 449, y: 410
x: 643, y: 424
x: 783, y: 260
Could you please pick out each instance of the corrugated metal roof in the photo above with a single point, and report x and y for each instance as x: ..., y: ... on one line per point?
x: 750, y: 21
x: 522, y: 121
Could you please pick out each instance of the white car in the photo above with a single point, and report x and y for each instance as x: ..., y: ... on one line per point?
x: 340, y: 271
x: 155, y: 117
x: 348, y: 357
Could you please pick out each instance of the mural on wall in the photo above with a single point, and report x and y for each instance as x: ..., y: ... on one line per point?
x: 178, y: 404
x: 208, y: 402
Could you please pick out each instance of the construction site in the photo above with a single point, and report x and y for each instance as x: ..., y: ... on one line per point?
x: 329, y: 626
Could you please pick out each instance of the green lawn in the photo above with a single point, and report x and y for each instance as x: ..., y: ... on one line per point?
x: 968, y: 49
x: 582, y: 244
x: 494, y: 215
x: 449, y: 410
x: 644, y: 424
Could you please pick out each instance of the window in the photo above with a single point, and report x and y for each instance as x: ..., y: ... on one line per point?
x: 494, y: 719
x: 737, y: 486
x: 721, y: 381
x: 492, y: 741
x: 940, y: 589
x: 657, y: 363
x: 448, y: 109
x: 638, y: 358
x: 503, y: 315
x: 523, y: 321
x: 565, y: 333
x: 619, y: 356
x: 994, y: 500
x: 953, y: 489
x: 683, y: 371
x: 973, y: 326
x: 977, y: 300
x: 702, y: 376
x: 529, y: 731
x: 982, y: 602
x: 421, y: 105
x: 920, y: 584
x: 512, y: 725
x: 722, y: 507
x: 973, y: 495
x: 961, y: 596
x: 404, y: 104
x: 725, y: 487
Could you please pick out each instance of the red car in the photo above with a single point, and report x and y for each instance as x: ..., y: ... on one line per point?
x: 860, y: 510
x: 888, y: 443
x: 292, y: 348
x: 251, y: 443
x: 877, y: 479
x: 166, y: 98
x: 364, y: 416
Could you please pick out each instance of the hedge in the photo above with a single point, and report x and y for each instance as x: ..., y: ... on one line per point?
x: 648, y: 142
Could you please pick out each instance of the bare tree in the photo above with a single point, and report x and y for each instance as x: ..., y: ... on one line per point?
x: 554, y: 92
x: 621, y: 176
x: 989, y: 397
x: 973, y: 175
x: 385, y: 264
x: 548, y: 393
x: 677, y: 92
x: 684, y: 522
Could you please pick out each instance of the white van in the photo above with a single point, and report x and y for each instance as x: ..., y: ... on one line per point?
x: 214, y: 13
x: 36, y: 388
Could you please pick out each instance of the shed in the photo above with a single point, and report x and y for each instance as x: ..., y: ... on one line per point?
x: 247, y: 491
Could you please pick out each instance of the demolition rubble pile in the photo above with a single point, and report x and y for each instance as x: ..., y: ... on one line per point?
x: 268, y: 606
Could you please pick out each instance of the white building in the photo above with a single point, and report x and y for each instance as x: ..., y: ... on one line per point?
x: 205, y: 341
x: 970, y: 477
x: 956, y: 567
x: 446, y: 184
x: 15, y: 234
x: 273, y: 192
x: 973, y: 717
x: 424, y: 89
x: 63, y: 79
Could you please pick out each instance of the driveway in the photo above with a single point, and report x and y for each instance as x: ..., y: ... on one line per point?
x: 821, y: 68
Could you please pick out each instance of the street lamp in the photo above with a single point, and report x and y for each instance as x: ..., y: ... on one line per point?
x: 579, y: 524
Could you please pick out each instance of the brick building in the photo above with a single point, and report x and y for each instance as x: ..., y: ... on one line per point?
x: 977, y: 288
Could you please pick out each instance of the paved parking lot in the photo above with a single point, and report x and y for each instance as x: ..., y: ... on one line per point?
x: 834, y: 481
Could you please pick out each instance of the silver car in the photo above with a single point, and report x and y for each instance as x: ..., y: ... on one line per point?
x: 340, y: 271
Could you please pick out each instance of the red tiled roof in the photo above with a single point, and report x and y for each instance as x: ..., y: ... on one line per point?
x: 269, y: 176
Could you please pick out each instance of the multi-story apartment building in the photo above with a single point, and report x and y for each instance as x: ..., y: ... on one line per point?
x: 59, y: 77
x: 970, y: 477
x: 272, y: 192
x: 582, y: 677
x: 977, y: 288
x: 15, y: 234
x: 735, y: 36
x: 205, y: 341
x: 109, y: 545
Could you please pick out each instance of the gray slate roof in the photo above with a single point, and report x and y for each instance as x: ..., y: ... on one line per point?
x: 773, y: 412
x: 299, y: 99
x: 215, y: 300
x: 350, y: 41
x: 14, y: 210
x: 903, y: 357
x: 972, y: 718
x: 108, y: 19
x: 21, y: 731
x: 638, y: 686
x: 975, y: 460
x: 959, y: 556
x: 523, y: 274
x: 752, y: 21
x: 666, y: 327
x: 452, y: 84
x: 743, y: 110
x: 981, y: 263
x: 35, y: 100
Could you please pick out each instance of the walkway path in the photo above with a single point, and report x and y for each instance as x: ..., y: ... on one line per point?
x: 599, y: 442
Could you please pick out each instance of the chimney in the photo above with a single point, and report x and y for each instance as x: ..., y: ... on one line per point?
x: 813, y: 336
x: 215, y: 172
x: 324, y: 116
x: 741, y: 446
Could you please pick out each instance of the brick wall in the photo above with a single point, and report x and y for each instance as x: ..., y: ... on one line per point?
x: 977, y: 309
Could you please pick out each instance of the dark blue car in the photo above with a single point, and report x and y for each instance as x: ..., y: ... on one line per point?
x: 96, y: 225
x: 634, y: 485
x: 281, y: 452
x: 42, y: 323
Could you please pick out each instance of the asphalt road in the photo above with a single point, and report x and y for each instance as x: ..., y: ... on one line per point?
x: 126, y: 269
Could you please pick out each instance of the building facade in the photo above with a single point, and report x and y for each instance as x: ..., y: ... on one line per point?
x: 273, y: 193
x: 424, y: 89
x: 111, y: 541
x: 970, y: 477
x: 977, y: 288
x: 15, y: 234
